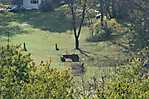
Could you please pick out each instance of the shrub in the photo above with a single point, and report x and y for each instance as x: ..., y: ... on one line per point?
x: 11, y: 57
x: 46, y: 5
x: 100, y: 35
x: 127, y: 82
x: 49, y: 5
x: 14, y: 68
x: 20, y: 78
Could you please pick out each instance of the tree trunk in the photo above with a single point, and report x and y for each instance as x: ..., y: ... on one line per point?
x: 115, y: 8
x: 74, y: 20
x: 146, y: 25
x: 102, y: 11
x: 77, y: 43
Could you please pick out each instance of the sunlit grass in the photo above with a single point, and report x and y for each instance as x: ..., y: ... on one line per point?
x: 41, y: 31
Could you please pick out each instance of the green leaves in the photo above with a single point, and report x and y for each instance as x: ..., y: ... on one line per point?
x: 21, y: 78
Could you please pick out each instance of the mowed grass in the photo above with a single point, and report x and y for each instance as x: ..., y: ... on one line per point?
x: 42, y: 30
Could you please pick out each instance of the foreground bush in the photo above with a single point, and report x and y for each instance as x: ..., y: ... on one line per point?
x: 21, y: 78
x: 128, y: 82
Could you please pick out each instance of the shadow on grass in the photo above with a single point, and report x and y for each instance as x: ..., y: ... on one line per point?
x: 12, y: 30
x: 47, y: 21
x: 5, y: 27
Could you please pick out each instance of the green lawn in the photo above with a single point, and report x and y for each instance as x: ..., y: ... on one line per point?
x: 41, y: 31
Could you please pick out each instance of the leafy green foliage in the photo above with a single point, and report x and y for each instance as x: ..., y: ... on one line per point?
x: 136, y: 12
x: 21, y: 78
x: 14, y: 70
x: 49, y: 5
x: 104, y: 33
x: 48, y: 83
x: 128, y: 83
x: 46, y: 5
x: 12, y: 58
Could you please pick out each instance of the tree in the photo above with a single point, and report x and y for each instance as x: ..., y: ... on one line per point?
x: 105, y: 9
x: 78, y: 12
x: 136, y: 13
x: 17, y: 2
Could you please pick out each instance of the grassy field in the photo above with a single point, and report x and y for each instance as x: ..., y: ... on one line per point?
x: 41, y: 31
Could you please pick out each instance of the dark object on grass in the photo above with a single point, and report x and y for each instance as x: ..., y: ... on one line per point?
x: 56, y: 47
x: 73, y: 58
x: 24, y: 47
x: 78, y: 69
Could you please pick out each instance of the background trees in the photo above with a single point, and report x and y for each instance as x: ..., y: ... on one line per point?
x: 136, y: 13
x: 49, y: 5
x: 133, y: 14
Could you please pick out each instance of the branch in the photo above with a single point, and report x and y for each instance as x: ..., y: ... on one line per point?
x: 83, y: 16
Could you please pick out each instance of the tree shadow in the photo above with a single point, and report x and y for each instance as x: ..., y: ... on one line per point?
x: 13, y: 30
x: 86, y: 53
x: 5, y: 27
x: 48, y: 21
